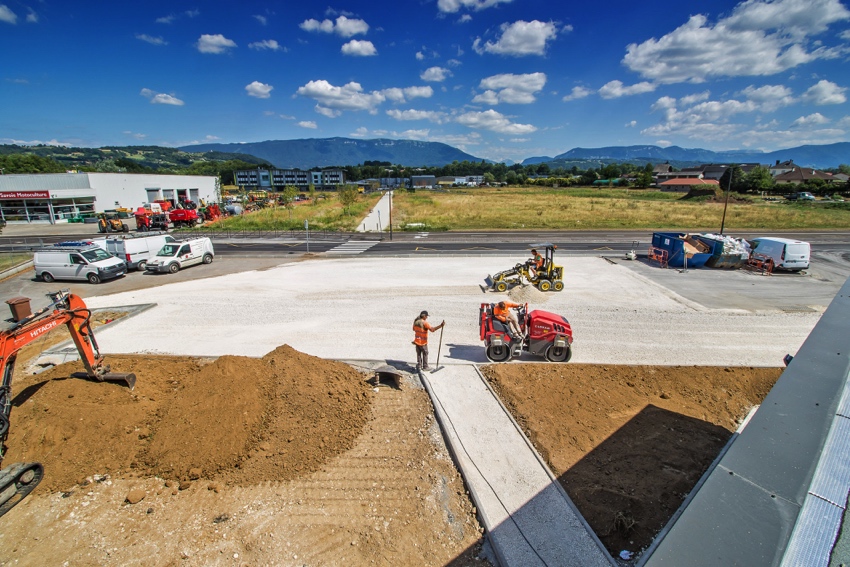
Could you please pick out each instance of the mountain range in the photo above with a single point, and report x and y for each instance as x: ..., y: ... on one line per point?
x: 325, y: 152
x: 818, y: 157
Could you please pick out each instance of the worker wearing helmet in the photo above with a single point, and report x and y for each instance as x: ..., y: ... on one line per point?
x: 502, y: 312
x: 421, y: 328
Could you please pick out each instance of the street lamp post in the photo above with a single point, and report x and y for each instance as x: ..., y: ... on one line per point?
x: 391, y: 214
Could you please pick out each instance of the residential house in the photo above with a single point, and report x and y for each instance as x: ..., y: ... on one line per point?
x: 801, y: 175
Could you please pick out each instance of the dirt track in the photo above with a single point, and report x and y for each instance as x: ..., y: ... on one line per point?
x: 292, y: 460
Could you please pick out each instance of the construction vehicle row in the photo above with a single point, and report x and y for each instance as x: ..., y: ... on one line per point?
x: 18, y: 480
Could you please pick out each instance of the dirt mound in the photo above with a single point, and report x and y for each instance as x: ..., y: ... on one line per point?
x: 628, y: 443
x: 527, y: 294
x: 236, y: 419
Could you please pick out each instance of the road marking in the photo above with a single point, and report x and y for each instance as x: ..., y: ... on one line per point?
x: 479, y: 248
x: 352, y: 248
x: 603, y: 248
x: 420, y: 248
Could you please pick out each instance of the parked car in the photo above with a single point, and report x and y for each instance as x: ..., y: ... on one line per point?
x: 786, y: 254
x: 86, y: 262
x: 177, y: 255
x: 800, y: 196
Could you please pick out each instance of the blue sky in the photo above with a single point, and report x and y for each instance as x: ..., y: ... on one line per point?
x: 499, y: 79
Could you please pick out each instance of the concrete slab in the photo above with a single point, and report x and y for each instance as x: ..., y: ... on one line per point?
x: 529, y: 518
x: 363, y: 308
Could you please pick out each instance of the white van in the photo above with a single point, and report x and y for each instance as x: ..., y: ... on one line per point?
x: 137, y: 249
x: 89, y: 262
x: 786, y: 254
x: 180, y: 254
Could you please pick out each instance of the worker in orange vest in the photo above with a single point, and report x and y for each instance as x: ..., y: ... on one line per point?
x: 502, y: 312
x: 421, y: 328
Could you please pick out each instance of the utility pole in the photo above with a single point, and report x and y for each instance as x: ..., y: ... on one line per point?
x: 391, y: 214
x: 726, y: 203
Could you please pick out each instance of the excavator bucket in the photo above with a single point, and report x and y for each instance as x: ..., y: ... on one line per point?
x: 127, y: 378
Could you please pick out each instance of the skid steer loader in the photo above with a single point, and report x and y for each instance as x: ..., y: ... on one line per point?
x: 548, y: 277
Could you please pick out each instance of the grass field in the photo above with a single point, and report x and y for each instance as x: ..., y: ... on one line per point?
x: 13, y: 259
x: 515, y: 208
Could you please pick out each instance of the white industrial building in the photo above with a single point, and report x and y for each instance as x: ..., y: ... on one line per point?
x: 56, y: 197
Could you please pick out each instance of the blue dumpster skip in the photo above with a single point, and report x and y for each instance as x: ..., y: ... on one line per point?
x: 673, y: 243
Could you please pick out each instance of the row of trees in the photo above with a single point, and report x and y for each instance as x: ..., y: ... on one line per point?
x: 623, y: 174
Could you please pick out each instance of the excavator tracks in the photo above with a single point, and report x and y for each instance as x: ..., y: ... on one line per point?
x: 16, y: 482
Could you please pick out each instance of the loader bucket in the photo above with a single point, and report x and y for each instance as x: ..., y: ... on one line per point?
x: 489, y: 281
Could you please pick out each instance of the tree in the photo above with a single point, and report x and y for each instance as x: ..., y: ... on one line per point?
x: 759, y: 179
x: 510, y: 177
x: 643, y: 179
x: 489, y: 178
x: 287, y: 198
x: 347, y: 195
x: 311, y: 189
x: 738, y: 183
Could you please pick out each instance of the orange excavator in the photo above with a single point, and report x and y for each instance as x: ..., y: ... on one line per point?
x: 18, y: 480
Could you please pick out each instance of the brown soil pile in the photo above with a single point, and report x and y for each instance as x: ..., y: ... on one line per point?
x: 628, y: 443
x: 235, y: 419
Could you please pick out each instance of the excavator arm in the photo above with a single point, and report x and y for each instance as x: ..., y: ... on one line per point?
x: 67, y: 309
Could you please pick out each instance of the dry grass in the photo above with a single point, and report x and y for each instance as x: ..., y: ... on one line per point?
x: 559, y: 209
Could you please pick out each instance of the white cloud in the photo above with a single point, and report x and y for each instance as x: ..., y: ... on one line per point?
x: 259, y: 90
x: 577, y: 93
x: 464, y: 19
x: 332, y: 100
x: 453, y: 63
x: 495, y: 122
x: 759, y: 38
x: 816, y: 118
x: 135, y: 135
x: 792, y: 137
x: 161, y: 98
x: 411, y: 114
x: 663, y: 143
x: 214, y: 44
x: 519, y: 39
x: 414, y: 134
x: 262, y: 19
x: 452, y: 6
x: 845, y: 35
x: 399, y: 95
x: 435, y: 74
x: 769, y: 97
x: 825, y: 92
x: 308, y: 124
x: 360, y: 48
x: 7, y: 15
x: 150, y: 39
x: 695, y: 98
x: 420, y: 56
x: 32, y: 17
x: 361, y: 132
x: 166, y: 19
x: 510, y: 88
x: 270, y: 44
x: 616, y: 89
x: 343, y: 26
x: 631, y: 124
x: 844, y: 122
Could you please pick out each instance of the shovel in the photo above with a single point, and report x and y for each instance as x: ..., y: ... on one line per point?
x: 439, y: 346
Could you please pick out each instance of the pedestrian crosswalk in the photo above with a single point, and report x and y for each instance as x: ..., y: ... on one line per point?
x: 352, y: 247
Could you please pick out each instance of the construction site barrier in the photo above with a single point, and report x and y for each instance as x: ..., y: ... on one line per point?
x: 657, y: 255
x: 760, y: 263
